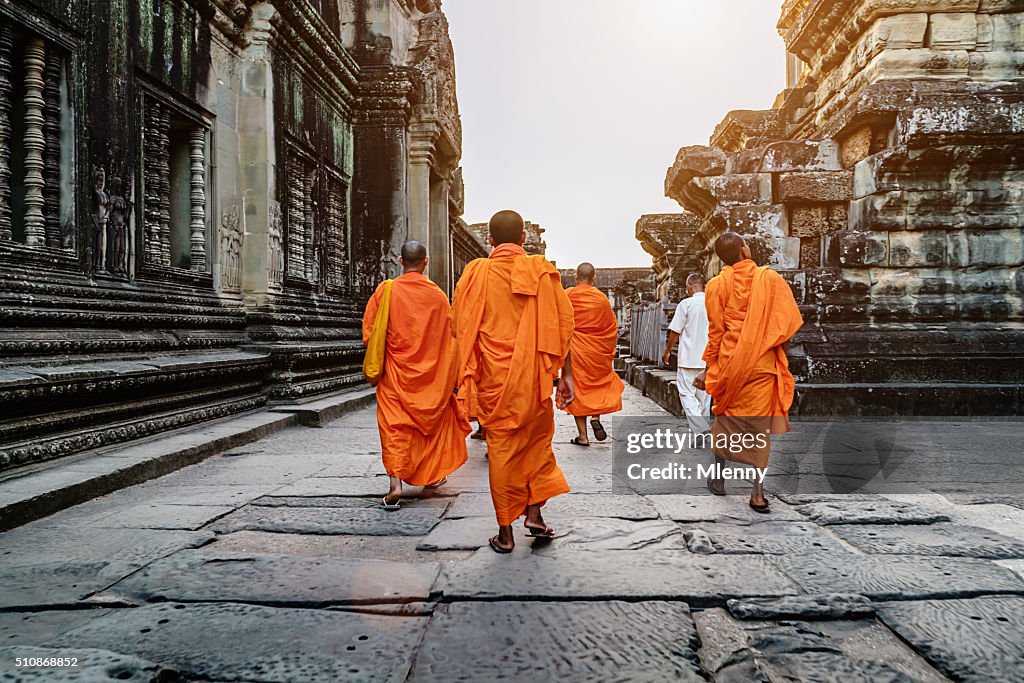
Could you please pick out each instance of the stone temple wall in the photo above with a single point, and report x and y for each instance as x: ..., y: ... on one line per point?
x: 887, y: 185
x: 196, y: 198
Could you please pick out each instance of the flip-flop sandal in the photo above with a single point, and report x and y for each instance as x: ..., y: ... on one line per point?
x: 576, y: 441
x: 385, y: 505
x: 761, y: 509
x: 546, y: 532
x: 599, y: 433
x: 437, y: 484
x: 478, y: 436
x: 493, y: 542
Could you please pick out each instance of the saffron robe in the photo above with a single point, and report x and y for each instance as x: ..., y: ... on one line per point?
x: 514, y: 324
x: 422, y: 428
x: 594, y: 346
x: 751, y: 315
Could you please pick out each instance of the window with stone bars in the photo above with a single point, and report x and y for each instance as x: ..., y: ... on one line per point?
x: 36, y: 141
x: 175, y: 174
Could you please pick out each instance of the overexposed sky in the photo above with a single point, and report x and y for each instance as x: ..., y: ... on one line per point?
x: 573, y: 109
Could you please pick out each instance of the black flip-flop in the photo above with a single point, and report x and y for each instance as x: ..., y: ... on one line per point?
x: 437, y: 484
x: 546, y: 532
x: 599, y: 433
x: 493, y: 542
x: 761, y: 509
x: 576, y: 441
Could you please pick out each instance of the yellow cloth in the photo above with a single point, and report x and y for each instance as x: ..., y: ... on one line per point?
x: 376, y: 345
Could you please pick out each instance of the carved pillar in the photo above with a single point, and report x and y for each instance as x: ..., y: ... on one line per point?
x: 6, y: 40
x: 164, y: 168
x: 440, y: 238
x: 197, y: 145
x: 51, y: 156
x: 310, y: 257
x: 151, y: 181
x: 296, y: 217
x: 35, y: 222
x: 421, y: 156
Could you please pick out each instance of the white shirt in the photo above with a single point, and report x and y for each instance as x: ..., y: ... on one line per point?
x: 691, y: 324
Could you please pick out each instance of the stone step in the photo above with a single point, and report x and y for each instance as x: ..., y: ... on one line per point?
x: 876, y: 368
x: 909, y: 398
x: 35, y: 491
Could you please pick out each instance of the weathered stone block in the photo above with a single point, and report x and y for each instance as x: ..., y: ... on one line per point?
x: 863, y: 248
x: 745, y: 188
x: 816, y: 186
x: 910, y: 249
x: 957, y: 31
x: 693, y: 162
x: 878, y: 212
x: 902, y: 31
x: 768, y: 220
x: 780, y: 253
x: 810, y: 252
x: 986, y: 248
x: 803, y: 155
x: 856, y: 147
x: 818, y: 219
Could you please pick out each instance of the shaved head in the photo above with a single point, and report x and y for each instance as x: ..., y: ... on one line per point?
x: 506, y: 227
x: 585, y: 272
x: 729, y: 248
x: 413, y: 253
x: 696, y: 282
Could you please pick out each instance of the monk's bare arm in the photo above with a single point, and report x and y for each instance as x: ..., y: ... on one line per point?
x: 673, y: 339
x: 566, y: 392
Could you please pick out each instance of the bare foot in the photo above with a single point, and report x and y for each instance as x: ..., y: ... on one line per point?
x: 535, y: 523
x: 504, y: 542
x: 395, y: 492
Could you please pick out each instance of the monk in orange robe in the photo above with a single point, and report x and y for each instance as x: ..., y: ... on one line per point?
x: 751, y: 317
x: 422, y: 428
x: 594, y: 345
x: 514, y: 323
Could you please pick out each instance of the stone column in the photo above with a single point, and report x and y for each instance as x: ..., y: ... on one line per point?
x: 35, y: 222
x: 6, y: 47
x: 440, y: 244
x: 421, y: 154
x: 197, y: 253
x: 262, y: 253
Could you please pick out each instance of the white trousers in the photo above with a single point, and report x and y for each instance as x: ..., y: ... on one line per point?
x: 696, y: 403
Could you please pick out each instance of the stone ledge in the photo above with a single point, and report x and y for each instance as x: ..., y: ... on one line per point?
x: 32, y: 495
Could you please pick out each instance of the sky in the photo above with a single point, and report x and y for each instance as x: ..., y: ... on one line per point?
x: 572, y: 110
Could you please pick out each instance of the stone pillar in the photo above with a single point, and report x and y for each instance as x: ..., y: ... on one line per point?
x: 35, y: 222
x: 262, y: 255
x: 6, y: 38
x: 421, y: 156
x: 197, y: 252
x: 440, y: 242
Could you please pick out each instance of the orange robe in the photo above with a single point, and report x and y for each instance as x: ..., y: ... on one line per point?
x: 751, y: 314
x: 594, y: 346
x: 422, y: 429
x: 514, y: 323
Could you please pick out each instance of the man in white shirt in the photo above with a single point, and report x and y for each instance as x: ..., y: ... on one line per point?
x: 689, y: 327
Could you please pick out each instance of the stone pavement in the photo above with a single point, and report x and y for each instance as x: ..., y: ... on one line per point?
x: 272, y: 563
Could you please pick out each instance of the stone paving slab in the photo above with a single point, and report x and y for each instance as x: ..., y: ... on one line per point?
x: 266, y: 645
x: 969, y: 640
x: 771, y: 538
x: 894, y: 577
x: 831, y: 606
x: 343, y: 502
x: 667, y: 575
x: 365, y: 521
x: 33, y: 545
x: 932, y: 539
x: 727, y: 509
x: 57, y: 584
x: 587, y: 533
x: 545, y: 641
x: 162, y: 516
x: 91, y: 665
x: 219, y: 576
x: 375, y: 486
x: 882, y: 511
x: 857, y: 651
x: 571, y: 504
x: 35, y: 628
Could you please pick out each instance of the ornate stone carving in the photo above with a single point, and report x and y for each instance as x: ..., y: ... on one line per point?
x: 100, y: 217
x: 119, y: 212
x: 34, y: 143
x: 164, y: 170
x: 197, y: 240
x: 151, y: 182
x: 275, y: 244
x: 6, y: 46
x: 310, y: 257
x: 51, y: 157
x: 231, y: 249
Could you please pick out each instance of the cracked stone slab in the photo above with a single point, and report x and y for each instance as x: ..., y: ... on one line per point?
x: 830, y: 606
x: 266, y: 645
x: 728, y: 509
x: 969, y: 640
x: 335, y: 486
x: 894, y: 577
x: 770, y: 538
x: 536, y: 641
x: 610, y: 575
x: 364, y: 521
x: 577, y: 505
x: 92, y: 665
x: 35, y: 628
x: 822, y: 651
x: 934, y: 539
x: 594, y: 533
x: 162, y: 516
x: 200, y: 576
x: 882, y: 511
x: 32, y: 545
